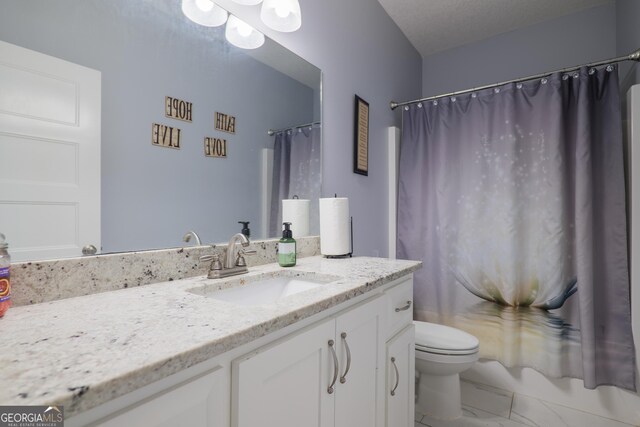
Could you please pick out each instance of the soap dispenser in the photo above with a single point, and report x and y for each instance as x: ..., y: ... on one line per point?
x: 287, y: 247
x: 245, y: 228
x: 5, y: 285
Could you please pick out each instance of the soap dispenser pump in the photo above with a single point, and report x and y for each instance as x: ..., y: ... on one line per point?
x: 287, y: 247
x: 245, y: 228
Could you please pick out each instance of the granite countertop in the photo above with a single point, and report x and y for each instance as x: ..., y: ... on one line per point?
x: 84, y: 351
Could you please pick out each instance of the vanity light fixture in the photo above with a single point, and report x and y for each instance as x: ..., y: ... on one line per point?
x: 204, y: 12
x: 243, y: 35
x: 281, y: 15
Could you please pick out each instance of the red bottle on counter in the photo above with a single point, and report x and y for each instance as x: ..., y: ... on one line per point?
x: 5, y: 276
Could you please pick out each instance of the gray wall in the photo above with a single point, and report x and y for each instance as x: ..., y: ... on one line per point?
x: 152, y: 195
x: 628, y: 40
x: 360, y: 51
x: 575, y: 39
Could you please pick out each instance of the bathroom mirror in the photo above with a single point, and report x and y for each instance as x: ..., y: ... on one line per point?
x: 151, y: 195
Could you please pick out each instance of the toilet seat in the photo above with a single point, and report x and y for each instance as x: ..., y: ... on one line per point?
x: 446, y: 352
x: 439, y: 339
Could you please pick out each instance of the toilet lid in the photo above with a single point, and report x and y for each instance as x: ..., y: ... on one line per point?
x: 441, y: 339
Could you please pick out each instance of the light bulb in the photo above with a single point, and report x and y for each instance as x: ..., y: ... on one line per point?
x: 204, y: 12
x: 281, y: 15
x: 282, y: 10
x: 244, y: 29
x: 243, y: 35
x: 204, y: 5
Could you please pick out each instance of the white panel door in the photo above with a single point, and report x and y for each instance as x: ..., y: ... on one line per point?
x: 285, y: 384
x: 192, y: 404
x: 49, y: 154
x: 400, y: 384
x: 359, y: 334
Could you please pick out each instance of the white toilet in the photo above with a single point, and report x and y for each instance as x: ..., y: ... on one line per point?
x: 442, y: 353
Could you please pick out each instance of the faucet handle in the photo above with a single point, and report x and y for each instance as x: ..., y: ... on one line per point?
x: 206, y: 258
x: 240, y: 262
x: 215, y: 259
x: 216, y: 264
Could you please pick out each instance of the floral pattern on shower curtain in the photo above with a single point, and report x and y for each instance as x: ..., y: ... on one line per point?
x: 514, y: 199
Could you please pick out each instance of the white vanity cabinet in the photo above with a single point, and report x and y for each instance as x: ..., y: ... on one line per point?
x: 360, y: 334
x: 333, y: 369
x: 193, y: 403
x: 400, y: 385
x: 327, y: 375
x: 400, y: 356
x: 285, y: 384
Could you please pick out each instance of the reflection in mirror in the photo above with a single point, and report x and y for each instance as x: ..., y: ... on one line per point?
x: 296, y: 175
x: 105, y: 107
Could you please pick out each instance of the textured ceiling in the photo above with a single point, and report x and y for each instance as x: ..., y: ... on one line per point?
x: 436, y: 25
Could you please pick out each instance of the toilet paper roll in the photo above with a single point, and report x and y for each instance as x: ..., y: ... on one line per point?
x: 335, y: 230
x: 296, y: 211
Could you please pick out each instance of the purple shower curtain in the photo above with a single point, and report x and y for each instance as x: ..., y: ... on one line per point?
x: 514, y: 198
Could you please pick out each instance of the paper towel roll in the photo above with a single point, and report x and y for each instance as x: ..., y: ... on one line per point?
x: 296, y: 211
x: 335, y: 229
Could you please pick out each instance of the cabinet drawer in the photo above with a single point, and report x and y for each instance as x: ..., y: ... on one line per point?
x: 399, y: 307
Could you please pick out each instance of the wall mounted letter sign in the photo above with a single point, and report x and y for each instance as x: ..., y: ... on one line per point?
x: 165, y: 136
x: 215, y: 147
x: 175, y: 108
x: 225, y: 123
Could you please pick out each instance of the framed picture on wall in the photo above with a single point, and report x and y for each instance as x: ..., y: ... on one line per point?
x: 361, y: 137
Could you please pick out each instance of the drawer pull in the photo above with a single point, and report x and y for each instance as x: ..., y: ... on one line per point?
x: 335, y: 367
x: 343, y: 378
x: 404, y: 308
x: 393, y: 391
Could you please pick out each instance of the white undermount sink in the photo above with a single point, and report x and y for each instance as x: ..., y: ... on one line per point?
x: 264, y: 291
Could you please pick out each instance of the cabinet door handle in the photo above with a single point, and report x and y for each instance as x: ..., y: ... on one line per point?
x: 335, y: 367
x: 393, y: 390
x: 89, y: 250
x: 343, y: 378
x: 404, y: 308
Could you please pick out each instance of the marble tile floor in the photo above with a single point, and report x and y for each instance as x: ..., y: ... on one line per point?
x: 485, y: 406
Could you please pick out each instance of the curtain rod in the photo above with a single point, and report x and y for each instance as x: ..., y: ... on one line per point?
x: 271, y: 132
x: 635, y: 56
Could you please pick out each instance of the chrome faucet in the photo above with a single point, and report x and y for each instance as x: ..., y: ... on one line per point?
x: 187, y: 237
x: 234, y: 262
x: 230, y: 257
